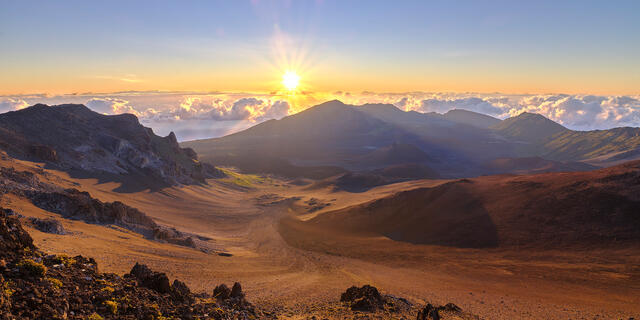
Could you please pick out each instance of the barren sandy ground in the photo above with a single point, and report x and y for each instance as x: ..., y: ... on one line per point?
x: 299, y: 271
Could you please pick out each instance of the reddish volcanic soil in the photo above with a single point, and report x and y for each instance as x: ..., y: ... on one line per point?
x: 529, y: 253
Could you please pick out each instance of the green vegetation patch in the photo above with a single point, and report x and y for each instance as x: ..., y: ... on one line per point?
x: 95, y: 316
x: 6, y: 288
x: 242, y: 180
x: 112, y: 306
x: 55, y: 282
x: 64, y: 259
x: 33, y: 268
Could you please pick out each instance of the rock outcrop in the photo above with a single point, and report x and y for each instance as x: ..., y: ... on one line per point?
x: 365, y: 298
x: 72, y: 137
x: 149, y: 279
x: 368, y: 299
x: 48, y: 225
x: 78, y: 205
x: 13, y: 239
x: 74, y: 204
x: 431, y: 312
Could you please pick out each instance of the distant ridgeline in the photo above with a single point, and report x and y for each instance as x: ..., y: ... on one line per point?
x: 333, y: 137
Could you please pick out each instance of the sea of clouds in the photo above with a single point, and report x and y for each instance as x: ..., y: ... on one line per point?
x: 194, y: 115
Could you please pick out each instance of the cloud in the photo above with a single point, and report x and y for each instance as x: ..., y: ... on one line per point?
x: 111, y: 106
x: 472, y: 104
x: 243, y: 109
x: 583, y: 112
x: 11, y: 104
x: 246, y: 108
x: 279, y: 109
x: 205, y: 115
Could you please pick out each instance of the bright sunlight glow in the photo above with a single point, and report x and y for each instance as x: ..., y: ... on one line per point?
x: 290, y: 80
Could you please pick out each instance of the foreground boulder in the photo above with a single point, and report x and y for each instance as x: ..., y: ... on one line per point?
x: 236, y: 291
x: 365, y: 298
x: 153, y: 280
x: 368, y: 299
x: 430, y: 312
x: 13, y: 239
x: 222, y: 292
x: 180, y: 291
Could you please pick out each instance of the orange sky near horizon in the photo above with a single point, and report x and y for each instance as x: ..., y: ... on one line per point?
x: 55, y: 84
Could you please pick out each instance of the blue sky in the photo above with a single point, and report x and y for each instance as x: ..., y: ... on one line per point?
x: 485, y: 46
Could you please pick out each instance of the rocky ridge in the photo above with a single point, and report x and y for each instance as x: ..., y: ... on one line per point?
x: 71, y: 203
x: 72, y: 137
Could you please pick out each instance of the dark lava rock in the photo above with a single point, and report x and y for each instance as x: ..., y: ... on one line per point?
x: 72, y: 203
x: 180, y: 291
x: 43, y: 152
x: 13, y: 239
x: 452, y: 307
x: 190, y: 153
x: 365, y: 298
x: 153, y: 280
x: 236, y: 291
x: 222, y: 292
x: 48, y: 225
x: 430, y: 312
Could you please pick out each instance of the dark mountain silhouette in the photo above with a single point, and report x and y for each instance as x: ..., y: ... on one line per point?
x: 72, y: 137
x: 457, y: 144
x: 319, y: 133
x: 338, y: 135
x: 327, y: 135
x: 440, y: 137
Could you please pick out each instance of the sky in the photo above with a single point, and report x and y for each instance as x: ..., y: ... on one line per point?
x: 206, y: 60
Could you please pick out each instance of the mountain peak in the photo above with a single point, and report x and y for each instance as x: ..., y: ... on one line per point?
x: 531, y: 115
x: 529, y: 127
x: 72, y: 136
x: 334, y: 102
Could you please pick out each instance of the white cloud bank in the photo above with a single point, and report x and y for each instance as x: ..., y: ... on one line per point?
x: 199, y: 115
x: 12, y: 104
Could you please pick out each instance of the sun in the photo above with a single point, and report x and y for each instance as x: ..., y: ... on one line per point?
x: 290, y: 80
